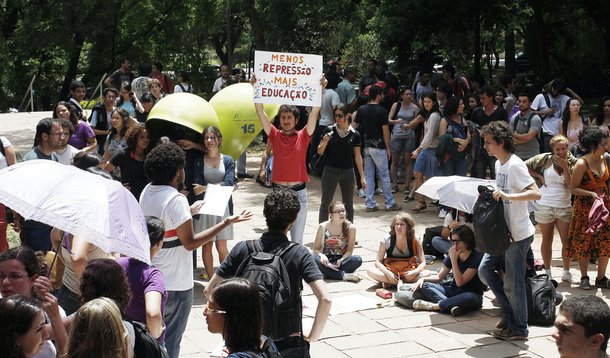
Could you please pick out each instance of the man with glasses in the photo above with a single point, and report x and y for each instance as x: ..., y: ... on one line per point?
x: 33, y: 234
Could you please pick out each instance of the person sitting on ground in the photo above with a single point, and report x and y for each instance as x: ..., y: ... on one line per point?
x: 98, y: 331
x: 22, y: 331
x: 453, y: 219
x: 235, y: 311
x: 465, y: 291
x: 147, y: 304
x: 334, y: 246
x: 582, y: 327
x: 394, y: 250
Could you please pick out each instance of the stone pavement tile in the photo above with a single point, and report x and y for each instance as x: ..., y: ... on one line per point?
x: 387, y: 312
x: 402, y: 349
x: 341, y: 288
x: 498, y: 350
x: 541, y: 346
x: 432, y: 339
x: 464, y: 333
x: 357, y: 323
x: 538, y: 331
x: 417, y: 319
x: 322, y: 349
x: 331, y: 330
x: 365, y: 340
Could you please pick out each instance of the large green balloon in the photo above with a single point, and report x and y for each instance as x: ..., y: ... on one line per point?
x: 181, y: 116
x: 239, y: 122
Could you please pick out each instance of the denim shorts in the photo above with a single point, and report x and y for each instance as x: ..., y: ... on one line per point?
x: 547, y: 214
x: 402, y: 145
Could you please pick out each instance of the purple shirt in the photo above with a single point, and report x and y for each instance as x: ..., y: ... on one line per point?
x: 142, y: 278
x: 81, y: 134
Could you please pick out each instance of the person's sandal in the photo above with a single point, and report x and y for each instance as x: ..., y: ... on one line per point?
x: 419, y: 207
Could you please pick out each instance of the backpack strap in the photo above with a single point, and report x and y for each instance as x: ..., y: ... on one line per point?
x: 182, y: 88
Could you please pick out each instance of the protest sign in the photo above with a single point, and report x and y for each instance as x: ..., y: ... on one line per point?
x: 287, y: 78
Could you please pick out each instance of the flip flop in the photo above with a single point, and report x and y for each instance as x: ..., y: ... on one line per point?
x: 419, y: 208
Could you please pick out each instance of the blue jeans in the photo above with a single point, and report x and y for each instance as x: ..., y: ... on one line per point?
x: 177, y: 310
x: 375, y: 158
x: 510, y: 292
x: 440, y: 244
x: 350, y: 265
x: 241, y: 163
x: 296, y: 232
x: 448, y: 297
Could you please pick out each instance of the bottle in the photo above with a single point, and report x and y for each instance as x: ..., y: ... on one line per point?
x: 599, y: 293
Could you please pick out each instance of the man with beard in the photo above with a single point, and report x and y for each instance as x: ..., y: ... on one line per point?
x: 164, y: 166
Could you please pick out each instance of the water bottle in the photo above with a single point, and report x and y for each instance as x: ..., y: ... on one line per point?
x: 599, y: 293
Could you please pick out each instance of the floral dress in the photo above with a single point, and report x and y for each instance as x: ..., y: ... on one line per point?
x: 583, y: 245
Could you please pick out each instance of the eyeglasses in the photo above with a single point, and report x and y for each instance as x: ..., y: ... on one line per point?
x: 454, y: 242
x: 400, y: 223
x: 11, y: 277
x: 59, y: 134
x: 340, y: 211
x: 207, y: 310
x: 339, y: 115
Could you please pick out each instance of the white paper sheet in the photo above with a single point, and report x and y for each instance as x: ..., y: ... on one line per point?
x: 216, y: 199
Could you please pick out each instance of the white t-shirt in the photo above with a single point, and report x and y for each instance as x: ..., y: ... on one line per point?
x: 551, y: 124
x: 329, y: 100
x: 188, y: 88
x: 67, y: 156
x: 6, y: 144
x: 171, y: 207
x: 218, y: 84
x: 513, y: 177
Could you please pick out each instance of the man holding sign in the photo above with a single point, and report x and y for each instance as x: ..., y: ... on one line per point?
x: 289, y: 144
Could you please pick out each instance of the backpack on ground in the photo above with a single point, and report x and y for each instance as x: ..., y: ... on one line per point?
x: 491, y: 231
x: 541, y: 300
x: 146, y: 346
x: 429, y: 234
x: 267, y: 270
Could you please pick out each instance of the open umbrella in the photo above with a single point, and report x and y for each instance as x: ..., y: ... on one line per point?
x: 431, y: 186
x: 93, y: 208
x: 462, y: 194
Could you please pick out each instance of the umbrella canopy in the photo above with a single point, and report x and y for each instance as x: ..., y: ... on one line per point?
x: 93, y: 208
x: 431, y: 186
x: 462, y: 194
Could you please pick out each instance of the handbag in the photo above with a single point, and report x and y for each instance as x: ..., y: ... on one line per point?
x: 491, y: 232
x: 316, y: 166
x: 400, y: 266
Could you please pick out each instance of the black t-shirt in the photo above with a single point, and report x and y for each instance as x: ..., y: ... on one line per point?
x: 132, y: 171
x: 481, y: 118
x: 371, y: 118
x: 340, y: 151
x: 298, y: 261
x: 473, y: 261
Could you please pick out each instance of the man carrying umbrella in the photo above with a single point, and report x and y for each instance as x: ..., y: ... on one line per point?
x: 164, y: 166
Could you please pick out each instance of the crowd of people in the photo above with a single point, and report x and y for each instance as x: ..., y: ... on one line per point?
x: 548, y: 160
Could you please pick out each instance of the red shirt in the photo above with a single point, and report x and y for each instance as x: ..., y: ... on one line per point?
x: 289, y: 153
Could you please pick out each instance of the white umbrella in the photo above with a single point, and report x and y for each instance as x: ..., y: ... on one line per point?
x: 462, y: 194
x: 86, y: 205
x: 431, y: 186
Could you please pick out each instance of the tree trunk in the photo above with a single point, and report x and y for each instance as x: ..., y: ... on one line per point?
x: 477, y: 38
x: 543, y: 50
x: 509, y: 53
x: 255, y: 24
x: 78, y: 40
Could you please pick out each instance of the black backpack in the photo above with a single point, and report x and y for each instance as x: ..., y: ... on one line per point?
x: 267, y: 351
x: 541, y: 301
x: 491, y: 232
x: 146, y: 346
x: 429, y: 234
x: 267, y: 270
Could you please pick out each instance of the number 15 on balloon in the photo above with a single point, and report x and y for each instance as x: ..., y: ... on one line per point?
x: 248, y: 128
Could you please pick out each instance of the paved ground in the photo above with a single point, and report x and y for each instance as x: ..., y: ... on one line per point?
x: 390, y: 331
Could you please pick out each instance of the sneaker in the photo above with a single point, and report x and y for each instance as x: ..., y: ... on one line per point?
x: 548, y: 273
x: 351, y: 277
x: 584, y: 283
x: 394, y: 189
x: 244, y: 176
x: 407, y: 191
x: 435, y: 203
x: 566, y: 276
x: 508, y: 335
x: 602, y: 283
x: 421, y: 305
x: 378, y: 191
x: 442, y: 213
x: 495, y: 302
x: 501, y: 324
x: 394, y: 207
x: 456, y: 311
x: 361, y: 193
x: 408, y: 199
x: 369, y: 210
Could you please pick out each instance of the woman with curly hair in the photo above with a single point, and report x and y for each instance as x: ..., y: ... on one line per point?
x: 400, y: 245
x: 334, y: 245
x: 589, y: 182
x: 131, y: 161
x: 98, y: 331
x: 83, y: 137
x: 115, y: 143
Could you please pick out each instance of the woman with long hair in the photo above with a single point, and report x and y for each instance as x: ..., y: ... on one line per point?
x: 235, y: 311
x: 340, y: 145
x: 212, y: 167
x: 131, y: 161
x: 572, y: 122
x: 98, y: 331
x: 465, y: 291
x: 22, y: 332
x: 455, y: 162
x: 116, y: 141
x: 334, y: 246
x: 402, y: 243
x: 426, y: 163
x: 403, y: 140
x: 128, y: 100
x: 83, y: 137
x: 588, y: 183
x: 602, y: 114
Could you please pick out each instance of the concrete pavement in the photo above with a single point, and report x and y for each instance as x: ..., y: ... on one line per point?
x: 390, y: 331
